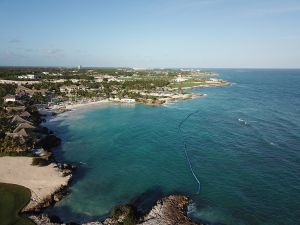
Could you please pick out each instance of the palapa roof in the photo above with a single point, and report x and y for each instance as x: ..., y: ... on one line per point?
x: 23, y: 126
x: 18, y: 119
x: 22, y: 89
x: 25, y: 114
x: 9, y: 96
x: 22, y: 133
x: 16, y: 108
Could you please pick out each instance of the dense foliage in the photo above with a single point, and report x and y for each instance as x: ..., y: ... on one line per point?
x: 129, y: 213
x: 37, y: 161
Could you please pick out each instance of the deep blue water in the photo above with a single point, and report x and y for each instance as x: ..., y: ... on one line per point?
x: 243, y: 142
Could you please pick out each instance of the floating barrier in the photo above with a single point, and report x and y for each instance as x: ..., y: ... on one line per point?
x: 185, y: 148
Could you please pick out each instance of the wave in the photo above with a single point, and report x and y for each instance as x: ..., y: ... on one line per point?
x: 246, y: 122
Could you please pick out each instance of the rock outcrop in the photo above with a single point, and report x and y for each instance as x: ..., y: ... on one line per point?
x: 43, y: 219
x: 169, y: 211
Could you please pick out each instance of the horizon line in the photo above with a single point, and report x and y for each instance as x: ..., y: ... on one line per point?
x: 146, y: 68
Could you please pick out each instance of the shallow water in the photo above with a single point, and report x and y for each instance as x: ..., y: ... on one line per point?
x: 243, y: 145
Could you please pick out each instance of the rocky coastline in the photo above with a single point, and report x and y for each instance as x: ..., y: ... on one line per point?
x: 25, y: 114
x: 167, y: 211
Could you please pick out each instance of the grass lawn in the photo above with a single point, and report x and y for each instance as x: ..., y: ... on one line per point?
x: 12, y: 199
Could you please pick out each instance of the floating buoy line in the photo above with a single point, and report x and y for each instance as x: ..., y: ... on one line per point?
x: 185, y: 148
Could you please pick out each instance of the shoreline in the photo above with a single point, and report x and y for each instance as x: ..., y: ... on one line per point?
x: 58, y: 109
x: 89, y: 104
x: 152, y: 217
x: 172, y: 209
x: 40, y: 201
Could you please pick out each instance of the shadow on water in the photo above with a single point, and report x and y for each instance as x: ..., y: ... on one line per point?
x: 64, y: 211
x: 146, y: 200
x: 143, y: 203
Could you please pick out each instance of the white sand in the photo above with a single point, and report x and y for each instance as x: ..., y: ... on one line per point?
x: 85, y: 104
x: 42, y: 181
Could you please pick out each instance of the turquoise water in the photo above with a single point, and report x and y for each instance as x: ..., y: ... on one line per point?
x: 243, y: 142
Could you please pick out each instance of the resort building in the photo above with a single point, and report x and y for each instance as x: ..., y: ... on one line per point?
x: 127, y: 100
x: 23, y: 126
x: 180, y: 79
x: 68, y: 89
x: 11, y: 109
x: 9, y: 98
x: 212, y: 81
x: 19, y: 120
x: 21, y: 91
x: 29, y: 76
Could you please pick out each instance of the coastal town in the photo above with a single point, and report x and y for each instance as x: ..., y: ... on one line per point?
x: 26, y: 101
x: 64, y: 87
x: 30, y: 95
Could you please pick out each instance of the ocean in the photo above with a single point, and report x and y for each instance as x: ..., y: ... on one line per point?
x: 242, y: 141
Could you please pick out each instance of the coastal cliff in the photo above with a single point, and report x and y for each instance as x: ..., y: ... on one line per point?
x: 167, y: 211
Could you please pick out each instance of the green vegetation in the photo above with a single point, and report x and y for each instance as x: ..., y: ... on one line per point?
x: 14, y: 153
x: 128, y: 212
x: 72, y: 84
x: 13, y: 199
x: 37, y: 161
x: 6, y: 89
x: 12, y: 73
x: 9, y: 145
x: 60, y: 87
x: 146, y: 83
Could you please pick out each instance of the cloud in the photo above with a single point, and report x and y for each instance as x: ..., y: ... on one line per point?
x: 10, y: 55
x: 277, y: 10
x: 52, y: 52
x: 14, y: 40
x: 179, y: 6
x: 290, y: 37
x: 32, y: 52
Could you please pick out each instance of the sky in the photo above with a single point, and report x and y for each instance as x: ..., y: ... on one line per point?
x: 151, y: 33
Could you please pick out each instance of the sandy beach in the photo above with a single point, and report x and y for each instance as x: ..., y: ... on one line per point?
x: 88, y: 104
x: 42, y: 181
x: 85, y: 104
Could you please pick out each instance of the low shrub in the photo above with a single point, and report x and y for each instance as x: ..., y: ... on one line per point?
x: 37, y: 161
x: 49, y: 142
x: 14, y: 153
x: 129, y: 213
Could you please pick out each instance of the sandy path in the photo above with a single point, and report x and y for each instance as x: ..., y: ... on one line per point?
x: 42, y: 181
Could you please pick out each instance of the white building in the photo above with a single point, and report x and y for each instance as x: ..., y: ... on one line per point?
x: 212, y: 81
x: 9, y: 98
x: 127, y: 100
x: 68, y: 89
x: 29, y: 76
x: 180, y: 79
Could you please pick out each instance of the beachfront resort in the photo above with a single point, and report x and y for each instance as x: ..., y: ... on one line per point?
x: 30, y: 95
